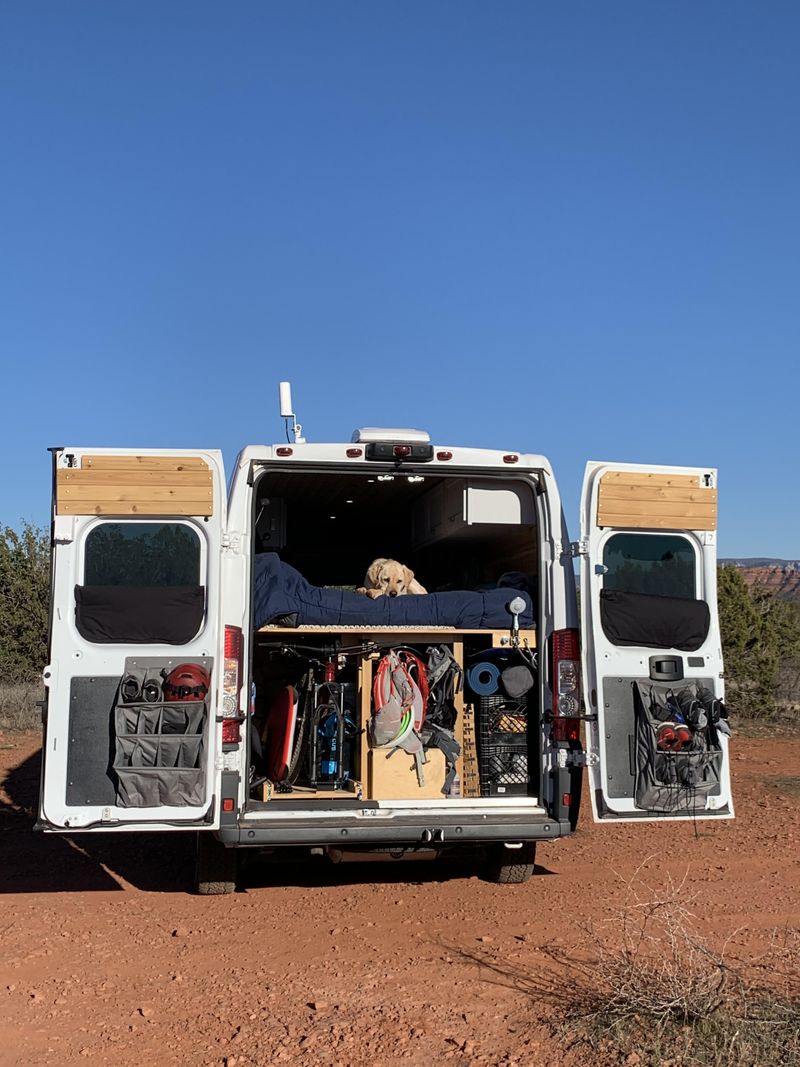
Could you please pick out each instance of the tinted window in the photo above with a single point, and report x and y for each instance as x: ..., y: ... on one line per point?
x: 661, y: 564
x: 142, y: 554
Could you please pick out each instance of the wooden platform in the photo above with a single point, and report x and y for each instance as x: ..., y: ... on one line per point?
x: 499, y: 638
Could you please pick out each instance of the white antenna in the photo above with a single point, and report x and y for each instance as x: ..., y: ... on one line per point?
x: 287, y: 412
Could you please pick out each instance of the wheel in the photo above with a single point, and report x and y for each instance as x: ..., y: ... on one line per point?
x: 215, y: 869
x: 510, y: 866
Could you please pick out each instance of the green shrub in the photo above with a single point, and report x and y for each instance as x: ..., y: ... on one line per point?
x: 24, y: 601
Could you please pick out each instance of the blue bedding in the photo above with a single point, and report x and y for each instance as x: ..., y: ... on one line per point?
x: 282, y: 594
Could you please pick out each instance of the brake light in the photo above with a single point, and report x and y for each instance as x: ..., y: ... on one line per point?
x: 401, y: 451
x: 231, y: 685
x: 566, y: 682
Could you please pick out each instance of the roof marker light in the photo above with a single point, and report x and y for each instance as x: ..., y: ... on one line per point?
x: 511, y: 459
x: 444, y: 456
x: 354, y: 453
x: 284, y: 451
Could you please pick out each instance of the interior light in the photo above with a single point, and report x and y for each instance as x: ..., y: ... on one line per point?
x: 348, y: 501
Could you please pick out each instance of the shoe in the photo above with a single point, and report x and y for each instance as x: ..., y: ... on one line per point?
x: 665, y: 737
x: 683, y: 735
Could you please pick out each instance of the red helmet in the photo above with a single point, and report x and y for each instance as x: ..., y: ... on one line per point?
x: 188, y: 681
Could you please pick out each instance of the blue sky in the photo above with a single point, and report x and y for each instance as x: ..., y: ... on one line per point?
x: 560, y: 228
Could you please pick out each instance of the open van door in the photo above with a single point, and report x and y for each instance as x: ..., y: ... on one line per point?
x: 136, y: 544
x: 657, y: 733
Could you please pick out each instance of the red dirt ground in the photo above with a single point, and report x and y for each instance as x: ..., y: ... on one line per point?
x: 105, y: 958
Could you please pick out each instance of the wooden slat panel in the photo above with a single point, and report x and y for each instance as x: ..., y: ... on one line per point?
x: 658, y: 492
x: 656, y: 522
x: 656, y: 501
x: 86, y: 491
x: 644, y: 478
x: 144, y: 508
x: 127, y: 463
x: 656, y: 507
x: 77, y: 476
x: 131, y: 494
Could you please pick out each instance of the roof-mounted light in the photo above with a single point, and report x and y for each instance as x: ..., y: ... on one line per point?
x: 382, y: 434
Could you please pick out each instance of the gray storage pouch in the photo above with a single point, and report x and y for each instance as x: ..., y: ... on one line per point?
x: 159, y: 754
x: 153, y: 787
x: 671, y: 782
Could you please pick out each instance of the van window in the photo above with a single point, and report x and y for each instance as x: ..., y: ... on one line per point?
x: 142, y: 554
x: 142, y: 584
x: 658, y: 564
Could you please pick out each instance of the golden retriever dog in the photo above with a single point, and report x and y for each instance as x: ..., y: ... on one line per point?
x: 387, y: 577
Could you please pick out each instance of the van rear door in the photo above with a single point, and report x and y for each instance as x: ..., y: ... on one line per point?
x: 135, y: 594
x: 657, y: 737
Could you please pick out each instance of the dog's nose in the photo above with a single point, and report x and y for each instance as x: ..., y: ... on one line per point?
x: 392, y: 592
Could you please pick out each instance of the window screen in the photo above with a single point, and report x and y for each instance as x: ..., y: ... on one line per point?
x: 658, y: 564
x: 143, y: 554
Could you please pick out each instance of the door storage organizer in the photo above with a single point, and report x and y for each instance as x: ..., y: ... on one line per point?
x: 672, y: 781
x: 159, y: 749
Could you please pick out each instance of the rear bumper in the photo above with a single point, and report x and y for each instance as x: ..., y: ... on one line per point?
x: 399, y: 830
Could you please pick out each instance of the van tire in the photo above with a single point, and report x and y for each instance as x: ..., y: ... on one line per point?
x: 507, y: 866
x: 215, y: 867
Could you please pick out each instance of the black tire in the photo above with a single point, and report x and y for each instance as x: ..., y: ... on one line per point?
x: 215, y: 868
x: 510, y: 866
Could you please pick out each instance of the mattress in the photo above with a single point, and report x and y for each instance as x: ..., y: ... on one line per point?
x: 281, y: 595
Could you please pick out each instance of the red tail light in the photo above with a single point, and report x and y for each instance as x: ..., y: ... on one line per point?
x: 566, y: 682
x: 231, y: 685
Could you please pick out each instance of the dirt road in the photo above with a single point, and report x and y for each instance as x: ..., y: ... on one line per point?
x: 106, y: 959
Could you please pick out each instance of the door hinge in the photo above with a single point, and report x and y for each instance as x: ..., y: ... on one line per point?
x: 231, y: 542
x: 579, y: 548
x: 577, y: 759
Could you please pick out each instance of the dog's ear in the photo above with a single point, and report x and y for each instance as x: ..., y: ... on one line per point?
x: 374, y: 570
x: 408, y: 576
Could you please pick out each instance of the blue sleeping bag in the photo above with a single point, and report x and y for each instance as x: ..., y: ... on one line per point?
x: 282, y: 593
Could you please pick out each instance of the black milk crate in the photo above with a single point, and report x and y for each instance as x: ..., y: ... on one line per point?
x: 502, y: 737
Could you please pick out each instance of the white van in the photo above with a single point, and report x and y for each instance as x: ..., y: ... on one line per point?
x: 283, y: 733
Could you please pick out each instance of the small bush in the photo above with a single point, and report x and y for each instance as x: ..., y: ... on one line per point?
x: 18, y: 708
x: 649, y: 987
x: 645, y: 989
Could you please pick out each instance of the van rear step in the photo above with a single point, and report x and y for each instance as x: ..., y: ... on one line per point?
x: 396, y: 830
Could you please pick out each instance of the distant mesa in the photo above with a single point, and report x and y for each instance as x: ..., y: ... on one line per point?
x: 778, y: 576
